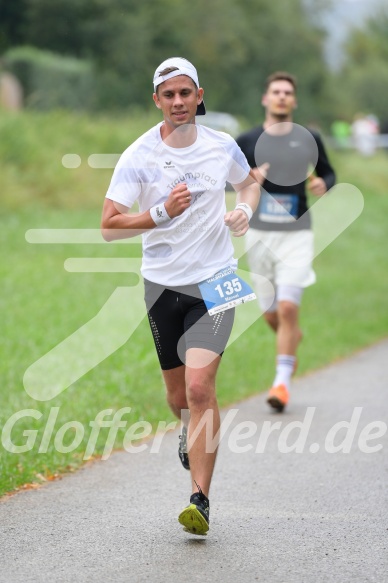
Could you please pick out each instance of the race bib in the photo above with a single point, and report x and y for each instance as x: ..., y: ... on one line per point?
x: 278, y: 208
x: 225, y: 290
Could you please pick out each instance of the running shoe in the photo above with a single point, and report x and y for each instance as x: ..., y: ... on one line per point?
x: 195, y: 517
x: 278, y: 397
x: 182, y: 449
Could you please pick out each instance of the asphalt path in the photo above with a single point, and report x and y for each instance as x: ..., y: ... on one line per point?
x: 306, y: 501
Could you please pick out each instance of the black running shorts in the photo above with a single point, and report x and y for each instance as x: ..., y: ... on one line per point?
x: 179, y: 320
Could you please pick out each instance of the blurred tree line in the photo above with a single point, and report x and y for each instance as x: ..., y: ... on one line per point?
x: 365, y: 72
x: 101, y: 55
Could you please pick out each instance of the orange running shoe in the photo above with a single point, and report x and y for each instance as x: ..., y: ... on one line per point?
x: 278, y: 397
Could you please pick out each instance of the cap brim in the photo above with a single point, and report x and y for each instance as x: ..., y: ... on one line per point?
x: 201, y: 109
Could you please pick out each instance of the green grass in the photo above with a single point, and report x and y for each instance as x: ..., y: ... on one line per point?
x: 33, y: 144
x: 42, y: 303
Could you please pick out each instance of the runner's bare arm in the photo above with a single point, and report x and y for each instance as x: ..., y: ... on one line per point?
x: 118, y: 223
x: 248, y: 193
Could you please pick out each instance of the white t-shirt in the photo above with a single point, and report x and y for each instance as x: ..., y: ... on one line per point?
x: 197, y: 244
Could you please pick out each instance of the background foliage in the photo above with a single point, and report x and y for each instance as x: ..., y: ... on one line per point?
x: 234, y: 44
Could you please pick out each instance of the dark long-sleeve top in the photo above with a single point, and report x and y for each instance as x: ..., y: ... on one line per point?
x: 292, y: 157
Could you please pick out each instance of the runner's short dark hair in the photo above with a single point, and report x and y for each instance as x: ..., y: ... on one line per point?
x: 281, y: 76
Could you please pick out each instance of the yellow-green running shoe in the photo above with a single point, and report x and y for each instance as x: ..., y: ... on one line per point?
x: 195, y: 517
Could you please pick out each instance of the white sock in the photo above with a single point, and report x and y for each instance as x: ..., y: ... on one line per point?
x: 284, y: 369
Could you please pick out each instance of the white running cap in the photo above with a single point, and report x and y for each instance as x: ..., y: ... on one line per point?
x: 178, y: 66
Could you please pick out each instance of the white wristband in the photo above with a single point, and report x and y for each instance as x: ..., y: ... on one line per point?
x: 159, y: 214
x: 243, y: 206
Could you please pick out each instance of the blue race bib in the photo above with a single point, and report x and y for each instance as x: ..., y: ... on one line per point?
x: 225, y: 290
x: 278, y: 208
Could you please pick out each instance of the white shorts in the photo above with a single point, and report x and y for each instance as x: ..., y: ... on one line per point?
x: 283, y: 258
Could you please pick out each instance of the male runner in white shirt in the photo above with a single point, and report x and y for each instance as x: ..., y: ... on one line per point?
x: 177, y: 172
